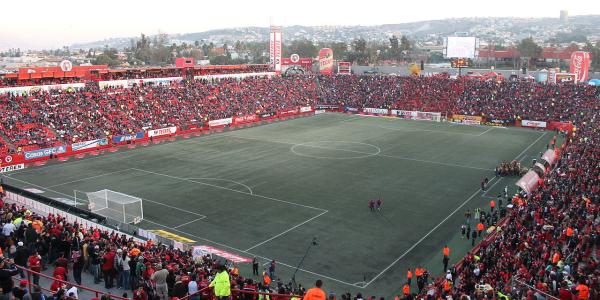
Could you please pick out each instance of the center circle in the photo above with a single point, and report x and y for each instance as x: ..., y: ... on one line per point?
x: 335, y: 150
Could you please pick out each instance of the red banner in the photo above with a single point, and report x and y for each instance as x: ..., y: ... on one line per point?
x: 288, y: 112
x: 563, y: 126
x: 580, y: 65
x: 245, y: 119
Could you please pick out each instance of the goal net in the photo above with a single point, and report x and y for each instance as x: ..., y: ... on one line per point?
x: 117, y: 206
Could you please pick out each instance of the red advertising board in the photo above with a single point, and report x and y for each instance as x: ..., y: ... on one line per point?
x: 326, y: 61
x: 184, y: 62
x: 287, y: 112
x: 245, y: 119
x: 580, y: 65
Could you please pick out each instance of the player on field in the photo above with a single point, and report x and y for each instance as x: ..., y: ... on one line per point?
x: 372, y: 205
x: 378, y: 204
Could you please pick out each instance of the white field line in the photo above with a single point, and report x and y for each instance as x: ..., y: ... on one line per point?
x: 444, y: 220
x: 486, y: 131
x: 87, y: 178
x: 226, y: 180
x: 424, y: 237
x: 111, y: 154
x: 254, y: 255
x: 212, y: 242
x: 228, y: 189
x: 366, y: 153
x: 282, y: 233
x: 190, y: 222
x: 534, y: 142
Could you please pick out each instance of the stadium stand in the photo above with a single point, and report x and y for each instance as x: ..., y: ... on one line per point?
x: 548, y: 244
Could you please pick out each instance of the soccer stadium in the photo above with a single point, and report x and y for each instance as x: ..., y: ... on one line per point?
x: 298, y: 179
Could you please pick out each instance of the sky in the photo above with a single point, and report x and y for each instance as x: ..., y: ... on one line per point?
x: 52, y: 24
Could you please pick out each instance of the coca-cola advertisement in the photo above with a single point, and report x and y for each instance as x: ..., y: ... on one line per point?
x: 326, y: 61
x: 580, y: 65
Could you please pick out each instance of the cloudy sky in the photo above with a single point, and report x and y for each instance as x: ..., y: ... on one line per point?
x: 46, y: 23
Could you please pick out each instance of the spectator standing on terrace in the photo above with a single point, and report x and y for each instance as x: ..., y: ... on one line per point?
x: 95, y: 261
x: 21, y: 256
x: 160, y: 279
x: 255, y: 266
x: 7, y: 271
x: 315, y: 293
x: 108, y: 270
x: 221, y: 284
x: 35, y: 264
x: 272, y: 270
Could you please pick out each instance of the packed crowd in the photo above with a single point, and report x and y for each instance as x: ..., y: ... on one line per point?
x: 124, y: 74
x: 548, y: 243
x: 13, y: 81
x: 128, y: 267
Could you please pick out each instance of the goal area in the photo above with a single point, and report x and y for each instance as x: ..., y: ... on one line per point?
x: 116, y: 206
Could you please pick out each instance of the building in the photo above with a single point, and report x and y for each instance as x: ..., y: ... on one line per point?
x: 564, y: 16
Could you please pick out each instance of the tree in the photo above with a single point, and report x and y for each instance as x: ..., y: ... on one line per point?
x: 405, y: 44
x: 394, y: 48
x: 529, y: 50
x: 302, y: 47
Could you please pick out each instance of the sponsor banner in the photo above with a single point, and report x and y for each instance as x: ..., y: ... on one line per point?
x: 35, y: 88
x: 305, y: 109
x: 322, y: 106
x: 172, y: 236
x: 351, y: 109
x: 536, y: 124
x: 469, y: 120
x: 89, y: 144
x: 405, y: 114
x: 245, y: 119
x: 287, y: 112
x: 580, y: 64
x: 6, y: 159
x: 220, y: 122
x: 33, y: 154
x: 236, y: 76
x: 203, y: 250
x: 428, y: 116
x: 379, y: 111
x: 12, y: 168
x: 498, y: 122
x: 127, y: 137
x: 113, y: 83
x: 319, y: 111
x: 164, y: 80
x: 162, y: 131
x: 131, y: 82
x: 267, y: 114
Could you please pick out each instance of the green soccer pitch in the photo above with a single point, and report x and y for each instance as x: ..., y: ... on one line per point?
x: 266, y: 191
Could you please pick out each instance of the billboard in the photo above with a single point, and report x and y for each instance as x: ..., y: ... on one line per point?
x: 275, y: 48
x: 326, y: 61
x: 580, y: 65
x: 39, y: 153
x: 89, y: 144
x: 460, y: 47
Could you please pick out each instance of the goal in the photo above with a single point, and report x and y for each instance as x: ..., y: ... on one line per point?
x: 117, y: 206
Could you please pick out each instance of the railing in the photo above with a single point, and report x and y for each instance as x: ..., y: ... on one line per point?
x: 30, y: 284
x: 237, y: 294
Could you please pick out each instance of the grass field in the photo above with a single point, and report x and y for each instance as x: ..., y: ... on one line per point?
x: 267, y: 191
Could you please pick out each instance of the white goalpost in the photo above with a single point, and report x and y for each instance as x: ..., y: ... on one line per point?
x: 114, y: 205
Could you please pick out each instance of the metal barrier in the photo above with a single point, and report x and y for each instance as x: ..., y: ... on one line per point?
x: 237, y: 294
x: 30, y: 284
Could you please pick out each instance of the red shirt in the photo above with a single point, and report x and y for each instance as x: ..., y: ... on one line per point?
x: 35, y: 263
x: 109, y: 261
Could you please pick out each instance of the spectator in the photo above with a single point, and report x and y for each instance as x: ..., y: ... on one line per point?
x: 220, y: 284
